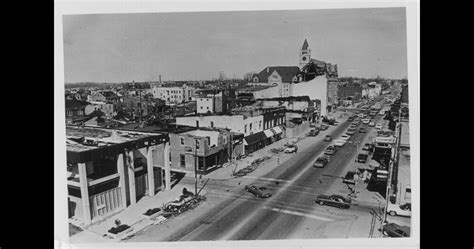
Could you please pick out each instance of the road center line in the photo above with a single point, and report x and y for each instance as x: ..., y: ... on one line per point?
x: 298, y: 214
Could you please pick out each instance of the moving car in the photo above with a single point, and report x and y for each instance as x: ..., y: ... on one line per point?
x: 371, y: 124
x: 260, y: 192
x: 321, y: 161
x: 349, y: 178
x: 330, y: 150
x: 378, y: 126
x: 402, y: 210
x: 333, y: 200
x: 339, y: 142
x: 395, y: 230
x: 362, y: 130
x: 335, y: 123
x: 327, y: 138
x: 323, y: 127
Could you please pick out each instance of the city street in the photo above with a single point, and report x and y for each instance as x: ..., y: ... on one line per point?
x: 231, y: 213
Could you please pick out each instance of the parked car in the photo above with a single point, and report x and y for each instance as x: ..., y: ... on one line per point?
x: 365, y: 121
x: 291, y: 149
x: 339, y: 142
x: 345, y: 137
x: 371, y: 124
x: 351, y: 118
x: 395, y: 230
x: 402, y: 210
x: 362, y: 130
x: 260, y: 192
x: 351, y: 131
x: 330, y: 150
x: 362, y: 156
x: 314, y: 132
x: 335, y: 123
x: 378, y: 126
x: 323, y: 127
x: 333, y: 200
x: 349, y: 178
x: 327, y: 138
x: 367, y: 147
x: 321, y: 161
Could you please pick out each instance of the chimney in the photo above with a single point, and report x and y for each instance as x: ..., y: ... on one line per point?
x: 268, y: 69
x: 159, y: 78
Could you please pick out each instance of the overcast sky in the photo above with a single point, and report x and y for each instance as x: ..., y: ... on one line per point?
x: 197, y: 46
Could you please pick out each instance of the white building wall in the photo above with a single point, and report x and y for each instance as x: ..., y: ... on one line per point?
x: 270, y: 92
x: 204, y: 104
x: 235, y: 123
x: 315, y: 89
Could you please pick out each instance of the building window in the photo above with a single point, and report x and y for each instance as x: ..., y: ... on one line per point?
x: 182, y: 161
x: 197, y: 144
x: 245, y: 128
x: 181, y: 139
x: 250, y: 127
x: 197, y: 123
x: 212, y: 124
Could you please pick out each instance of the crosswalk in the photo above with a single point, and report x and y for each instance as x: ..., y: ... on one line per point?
x: 313, y: 211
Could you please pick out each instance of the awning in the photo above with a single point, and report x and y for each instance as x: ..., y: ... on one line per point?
x: 254, y: 138
x: 277, y: 129
x: 268, y: 133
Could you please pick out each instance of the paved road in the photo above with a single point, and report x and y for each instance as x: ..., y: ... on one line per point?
x: 241, y: 216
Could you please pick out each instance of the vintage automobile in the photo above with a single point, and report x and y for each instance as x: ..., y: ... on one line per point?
x: 260, y: 192
x: 400, y: 210
x: 321, y: 161
x: 333, y: 200
x: 395, y: 230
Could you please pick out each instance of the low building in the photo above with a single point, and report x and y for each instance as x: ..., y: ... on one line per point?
x: 256, y: 123
x: 75, y: 110
x: 107, y: 109
x: 109, y: 170
x: 173, y: 94
x: 214, y: 146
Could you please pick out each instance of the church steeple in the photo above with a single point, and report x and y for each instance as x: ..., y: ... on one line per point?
x: 305, y: 45
x: 305, y: 54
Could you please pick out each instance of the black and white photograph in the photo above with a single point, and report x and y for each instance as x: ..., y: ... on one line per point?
x: 233, y: 125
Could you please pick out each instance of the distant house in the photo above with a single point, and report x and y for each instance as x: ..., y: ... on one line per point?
x: 75, y: 110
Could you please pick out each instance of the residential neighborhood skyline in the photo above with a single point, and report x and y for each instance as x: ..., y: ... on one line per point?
x: 130, y: 47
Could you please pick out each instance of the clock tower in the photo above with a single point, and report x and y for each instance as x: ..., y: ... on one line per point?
x: 305, y: 54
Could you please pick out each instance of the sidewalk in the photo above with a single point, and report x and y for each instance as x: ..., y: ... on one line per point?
x: 131, y: 216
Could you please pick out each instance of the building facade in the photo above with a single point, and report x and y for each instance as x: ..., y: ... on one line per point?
x: 109, y: 170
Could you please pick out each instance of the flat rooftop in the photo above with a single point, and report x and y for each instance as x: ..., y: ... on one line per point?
x: 85, y: 138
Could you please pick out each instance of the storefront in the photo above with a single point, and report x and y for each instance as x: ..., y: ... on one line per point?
x: 254, y: 142
x: 278, y: 132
